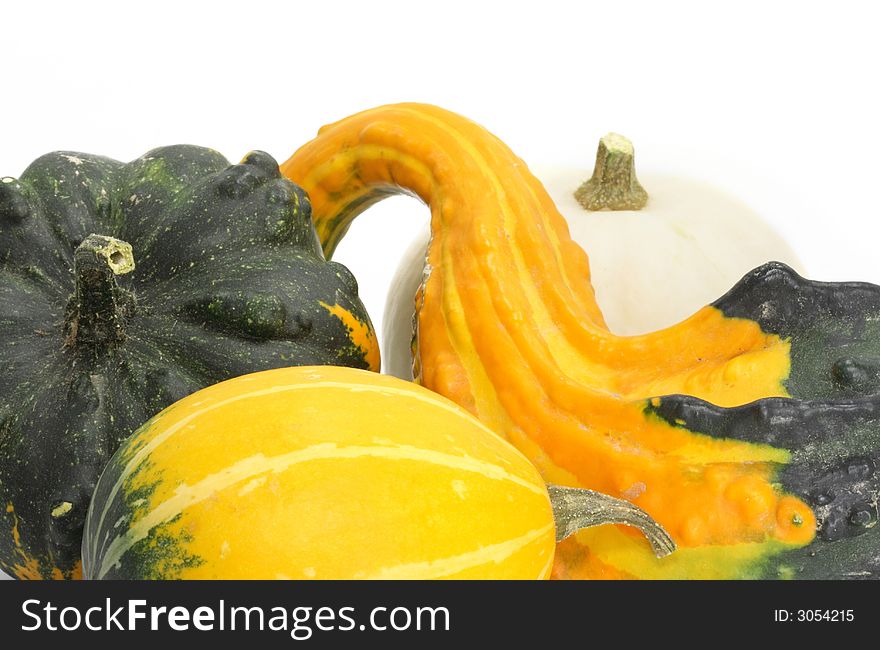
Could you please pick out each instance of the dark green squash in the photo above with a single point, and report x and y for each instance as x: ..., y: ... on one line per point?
x: 227, y: 277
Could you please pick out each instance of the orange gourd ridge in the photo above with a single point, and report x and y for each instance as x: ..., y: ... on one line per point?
x: 750, y: 431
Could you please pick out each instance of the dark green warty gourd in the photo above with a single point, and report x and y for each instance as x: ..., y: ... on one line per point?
x: 125, y: 287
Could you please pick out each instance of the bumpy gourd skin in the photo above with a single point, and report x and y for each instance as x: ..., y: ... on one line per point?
x: 832, y: 429
x: 750, y: 431
x: 229, y: 278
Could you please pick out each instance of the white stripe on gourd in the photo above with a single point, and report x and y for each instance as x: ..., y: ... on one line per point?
x: 145, y: 451
x: 247, y: 468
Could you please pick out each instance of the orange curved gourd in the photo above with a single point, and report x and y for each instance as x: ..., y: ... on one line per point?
x: 508, y: 327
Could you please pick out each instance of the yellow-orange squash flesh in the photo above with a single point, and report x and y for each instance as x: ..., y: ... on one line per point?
x: 509, y: 328
x: 318, y: 472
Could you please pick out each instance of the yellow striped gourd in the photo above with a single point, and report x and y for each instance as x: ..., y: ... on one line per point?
x: 328, y: 472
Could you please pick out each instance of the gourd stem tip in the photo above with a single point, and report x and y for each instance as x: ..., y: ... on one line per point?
x: 614, y: 185
x: 99, y: 308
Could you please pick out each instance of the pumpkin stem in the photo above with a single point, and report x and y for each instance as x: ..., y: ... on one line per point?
x: 577, y: 508
x: 99, y: 308
x: 614, y: 185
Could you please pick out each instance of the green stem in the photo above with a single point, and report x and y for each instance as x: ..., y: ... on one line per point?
x: 576, y: 508
x: 614, y: 185
x: 99, y: 308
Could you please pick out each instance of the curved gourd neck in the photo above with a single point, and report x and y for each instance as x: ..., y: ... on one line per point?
x: 377, y: 157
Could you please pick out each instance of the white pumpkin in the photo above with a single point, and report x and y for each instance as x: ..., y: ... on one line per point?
x: 651, y: 267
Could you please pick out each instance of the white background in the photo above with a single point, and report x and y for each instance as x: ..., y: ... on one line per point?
x: 775, y: 102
